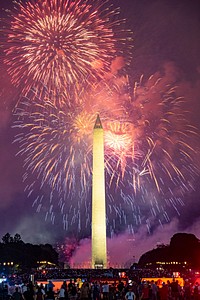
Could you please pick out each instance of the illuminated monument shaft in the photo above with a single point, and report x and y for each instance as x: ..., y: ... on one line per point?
x: 99, y: 249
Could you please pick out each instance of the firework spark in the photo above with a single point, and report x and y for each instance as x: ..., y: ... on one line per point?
x: 57, y: 47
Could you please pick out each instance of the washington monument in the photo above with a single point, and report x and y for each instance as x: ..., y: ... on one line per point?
x: 99, y: 248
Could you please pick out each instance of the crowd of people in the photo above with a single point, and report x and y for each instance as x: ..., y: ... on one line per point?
x: 93, y: 273
x: 95, y: 286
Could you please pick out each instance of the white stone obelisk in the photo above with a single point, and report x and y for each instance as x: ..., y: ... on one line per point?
x: 99, y: 248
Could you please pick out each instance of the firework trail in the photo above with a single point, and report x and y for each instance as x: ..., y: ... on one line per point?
x: 148, y: 154
x: 59, y: 46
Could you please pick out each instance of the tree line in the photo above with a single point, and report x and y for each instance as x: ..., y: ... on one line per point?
x: 25, y: 255
x: 184, y: 248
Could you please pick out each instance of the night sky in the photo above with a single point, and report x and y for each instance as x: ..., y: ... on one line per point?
x: 166, y: 41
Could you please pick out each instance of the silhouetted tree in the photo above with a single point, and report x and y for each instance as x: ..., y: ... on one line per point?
x: 17, y: 238
x: 7, y: 238
x: 186, y: 247
x: 183, y: 247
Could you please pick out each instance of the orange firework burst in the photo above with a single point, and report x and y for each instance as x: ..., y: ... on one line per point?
x: 82, y: 126
x: 119, y: 143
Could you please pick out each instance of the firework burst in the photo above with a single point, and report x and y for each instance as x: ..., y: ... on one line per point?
x: 57, y: 47
x: 148, y: 154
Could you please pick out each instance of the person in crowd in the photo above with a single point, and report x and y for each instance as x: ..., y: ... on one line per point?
x: 187, y: 290
x: 72, y: 290
x: 154, y: 290
x: 4, y: 292
x: 105, y: 290
x: 112, y: 292
x: 23, y: 288
x: 164, y: 292
x: 139, y: 290
x: 11, y: 290
x: 175, y: 289
x: 61, y: 293
x: 50, y: 285
x: 169, y: 289
x: 84, y: 291
x: 31, y: 288
x: 69, y: 287
x: 95, y: 291
x: 120, y: 288
x: 145, y: 291
x: 17, y: 295
x: 39, y: 293
x: 196, y: 291
x: 28, y: 294
x: 50, y: 294
x: 65, y: 288
x: 130, y: 295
